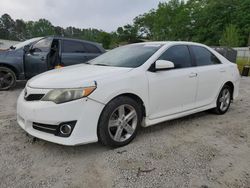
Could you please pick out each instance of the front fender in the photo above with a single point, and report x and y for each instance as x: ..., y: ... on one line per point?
x: 135, y: 84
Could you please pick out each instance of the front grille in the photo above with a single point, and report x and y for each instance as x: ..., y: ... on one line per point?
x: 34, y: 97
x: 52, y: 129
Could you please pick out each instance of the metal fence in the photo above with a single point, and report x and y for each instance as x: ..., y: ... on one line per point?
x: 227, y: 52
x: 243, y: 53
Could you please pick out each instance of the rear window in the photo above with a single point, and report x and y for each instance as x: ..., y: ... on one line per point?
x: 72, y: 47
x: 204, y: 57
x: 90, y: 48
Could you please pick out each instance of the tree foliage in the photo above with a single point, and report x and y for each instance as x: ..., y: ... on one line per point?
x: 205, y: 21
x: 230, y: 36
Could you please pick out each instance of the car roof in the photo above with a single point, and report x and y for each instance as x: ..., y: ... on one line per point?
x: 73, y: 39
x: 172, y: 43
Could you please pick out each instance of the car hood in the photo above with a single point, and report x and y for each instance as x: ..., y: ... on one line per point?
x: 7, y: 53
x: 75, y: 76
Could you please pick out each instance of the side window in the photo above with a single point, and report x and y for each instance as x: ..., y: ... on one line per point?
x: 69, y: 46
x: 179, y: 55
x: 204, y: 57
x: 42, y: 45
x: 90, y: 48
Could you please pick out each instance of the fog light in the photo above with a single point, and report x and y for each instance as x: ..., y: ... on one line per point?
x: 65, y: 129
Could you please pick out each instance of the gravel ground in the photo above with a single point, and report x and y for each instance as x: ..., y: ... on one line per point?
x: 202, y: 150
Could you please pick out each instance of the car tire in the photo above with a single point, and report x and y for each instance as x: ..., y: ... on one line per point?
x: 223, y: 100
x: 7, y: 78
x: 119, y: 122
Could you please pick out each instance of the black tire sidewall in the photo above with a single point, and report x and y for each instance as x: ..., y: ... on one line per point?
x: 102, y: 130
x: 13, y: 75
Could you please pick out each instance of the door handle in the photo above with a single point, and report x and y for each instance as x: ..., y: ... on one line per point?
x: 42, y: 58
x: 193, y: 74
x: 222, y: 70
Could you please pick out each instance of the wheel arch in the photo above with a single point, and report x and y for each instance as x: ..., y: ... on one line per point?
x: 231, y: 85
x: 11, y: 68
x: 134, y: 97
x: 137, y: 99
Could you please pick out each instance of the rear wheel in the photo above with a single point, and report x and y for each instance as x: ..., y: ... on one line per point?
x: 7, y: 78
x: 119, y: 122
x: 223, y: 100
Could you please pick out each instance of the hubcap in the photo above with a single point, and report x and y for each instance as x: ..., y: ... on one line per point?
x: 122, y: 123
x: 224, y: 100
x: 6, y: 79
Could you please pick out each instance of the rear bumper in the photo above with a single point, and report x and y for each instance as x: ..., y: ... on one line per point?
x: 85, y: 112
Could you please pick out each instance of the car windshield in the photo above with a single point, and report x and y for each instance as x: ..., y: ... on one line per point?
x: 127, y: 56
x: 24, y: 43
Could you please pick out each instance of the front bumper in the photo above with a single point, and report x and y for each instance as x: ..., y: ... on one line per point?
x: 85, y: 111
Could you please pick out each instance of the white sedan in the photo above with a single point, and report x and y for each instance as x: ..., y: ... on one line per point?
x: 109, y: 98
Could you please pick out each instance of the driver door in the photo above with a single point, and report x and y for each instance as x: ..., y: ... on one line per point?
x: 173, y: 91
x: 36, y: 59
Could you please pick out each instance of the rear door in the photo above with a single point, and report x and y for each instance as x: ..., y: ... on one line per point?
x: 36, y: 59
x: 92, y: 51
x: 173, y: 91
x: 73, y: 52
x: 210, y: 75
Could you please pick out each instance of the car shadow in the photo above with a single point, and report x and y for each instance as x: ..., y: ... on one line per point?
x: 20, y: 85
x: 93, y: 148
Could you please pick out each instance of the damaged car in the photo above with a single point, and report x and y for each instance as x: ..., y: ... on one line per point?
x: 32, y: 57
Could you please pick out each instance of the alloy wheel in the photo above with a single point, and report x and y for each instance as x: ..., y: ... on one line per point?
x: 122, y: 123
x: 224, y: 100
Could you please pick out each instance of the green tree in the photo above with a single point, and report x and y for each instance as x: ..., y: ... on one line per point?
x: 230, y: 36
x: 170, y: 21
x: 105, y: 39
x: 192, y: 20
x: 7, y: 27
x: 42, y: 27
x: 128, y: 33
x: 20, y: 29
x: 59, y: 31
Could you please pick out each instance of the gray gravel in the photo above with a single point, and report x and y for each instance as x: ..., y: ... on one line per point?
x: 202, y: 150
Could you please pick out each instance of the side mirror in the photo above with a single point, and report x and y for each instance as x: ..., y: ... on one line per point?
x: 26, y: 48
x: 12, y: 47
x: 163, y: 65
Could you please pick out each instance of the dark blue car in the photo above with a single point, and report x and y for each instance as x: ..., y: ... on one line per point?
x: 37, y: 55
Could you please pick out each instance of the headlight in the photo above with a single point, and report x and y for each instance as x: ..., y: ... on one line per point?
x: 65, y: 95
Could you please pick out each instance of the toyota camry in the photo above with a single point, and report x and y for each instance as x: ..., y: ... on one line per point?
x: 110, y: 97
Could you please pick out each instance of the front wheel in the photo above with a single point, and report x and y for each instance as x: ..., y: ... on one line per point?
x: 223, y: 100
x: 119, y: 122
x: 7, y: 78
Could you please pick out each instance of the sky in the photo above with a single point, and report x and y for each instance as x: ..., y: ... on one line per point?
x: 107, y: 15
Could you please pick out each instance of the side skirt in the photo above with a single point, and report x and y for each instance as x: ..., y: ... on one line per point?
x: 148, y: 122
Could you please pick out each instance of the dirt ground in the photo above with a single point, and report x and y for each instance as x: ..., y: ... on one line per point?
x: 202, y: 150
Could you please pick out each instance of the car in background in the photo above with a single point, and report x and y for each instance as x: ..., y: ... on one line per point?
x: 109, y: 98
x: 32, y: 57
